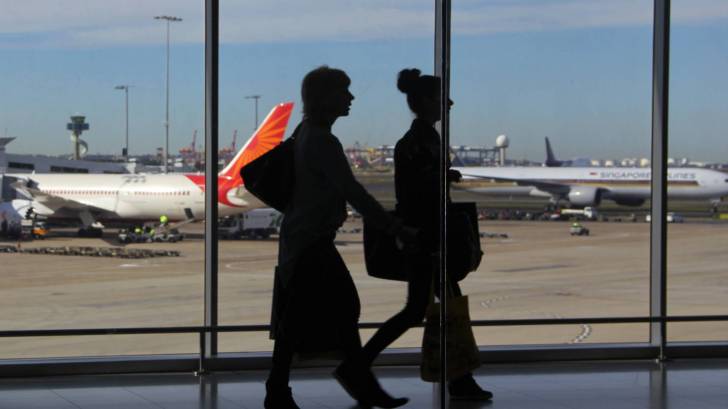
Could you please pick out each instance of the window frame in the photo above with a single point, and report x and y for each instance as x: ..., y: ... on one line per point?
x: 209, y: 359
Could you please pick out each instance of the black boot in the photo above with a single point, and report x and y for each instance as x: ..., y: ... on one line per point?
x: 362, y: 385
x: 465, y: 388
x: 278, y: 397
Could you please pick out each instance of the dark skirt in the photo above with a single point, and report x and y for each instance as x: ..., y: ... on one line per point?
x: 319, y: 308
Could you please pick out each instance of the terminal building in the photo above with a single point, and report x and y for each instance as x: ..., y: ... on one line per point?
x: 21, y: 163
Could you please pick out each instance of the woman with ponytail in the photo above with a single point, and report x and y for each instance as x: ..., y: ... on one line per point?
x: 416, y: 180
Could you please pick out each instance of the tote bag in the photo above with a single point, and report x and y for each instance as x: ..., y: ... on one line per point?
x: 382, y: 258
x: 462, y: 350
x: 271, y: 176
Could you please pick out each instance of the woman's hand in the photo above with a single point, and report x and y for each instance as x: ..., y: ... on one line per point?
x: 454, y: 175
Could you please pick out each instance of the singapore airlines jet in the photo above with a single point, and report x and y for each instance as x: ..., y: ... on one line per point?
x: 95, y: 199
x: 586, y: 186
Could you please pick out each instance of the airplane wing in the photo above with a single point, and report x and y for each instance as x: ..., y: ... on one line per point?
x: 55, y: 203
x: 554, y: 188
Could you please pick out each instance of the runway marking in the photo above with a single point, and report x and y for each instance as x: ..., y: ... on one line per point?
x: 488, y: 302
x: 586, y: 329
x: 129, y: 265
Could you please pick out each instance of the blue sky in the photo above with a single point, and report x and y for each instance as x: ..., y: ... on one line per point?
x: 576, y: 71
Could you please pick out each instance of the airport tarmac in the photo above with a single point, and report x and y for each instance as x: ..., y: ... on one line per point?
x: 538, y: 271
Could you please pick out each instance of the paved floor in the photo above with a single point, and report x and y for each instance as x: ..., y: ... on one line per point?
x: 619, y: 385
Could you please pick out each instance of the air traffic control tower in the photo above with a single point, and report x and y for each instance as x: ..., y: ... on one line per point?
x: 77, y: 126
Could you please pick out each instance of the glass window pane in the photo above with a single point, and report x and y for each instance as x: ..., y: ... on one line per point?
x: 266, y: 50
x: 697, y: 275
x: 102, y: 62
x: 98, y: 345
x: 562, y: 226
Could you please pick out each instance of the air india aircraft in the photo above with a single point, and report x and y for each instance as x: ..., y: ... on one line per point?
x: 123, y: 199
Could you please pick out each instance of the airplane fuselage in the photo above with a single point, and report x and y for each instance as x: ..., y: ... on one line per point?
x: 612, y: 183
x: 138, y: 196
x: 93, y: 198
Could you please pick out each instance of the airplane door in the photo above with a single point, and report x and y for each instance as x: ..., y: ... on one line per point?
x: 126, y: 200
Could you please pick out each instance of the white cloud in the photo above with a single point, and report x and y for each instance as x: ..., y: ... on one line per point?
x: 81, y: 23
x: 519, y: 16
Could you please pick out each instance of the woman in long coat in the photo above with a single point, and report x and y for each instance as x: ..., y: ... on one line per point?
x: 316, y: 305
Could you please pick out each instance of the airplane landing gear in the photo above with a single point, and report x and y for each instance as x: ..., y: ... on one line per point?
x: 552, y: 207
x: 714, y: 210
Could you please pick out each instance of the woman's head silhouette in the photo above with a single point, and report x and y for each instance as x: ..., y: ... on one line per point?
x: 423, y: 93
x: 325, y: 94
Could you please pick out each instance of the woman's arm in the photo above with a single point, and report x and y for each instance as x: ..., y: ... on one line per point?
x: 327, y: 157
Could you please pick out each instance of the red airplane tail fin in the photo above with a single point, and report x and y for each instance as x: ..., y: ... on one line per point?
x: 268, y: 135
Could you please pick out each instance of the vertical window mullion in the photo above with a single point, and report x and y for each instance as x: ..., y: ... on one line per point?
x: 658, y: 227
x: 212, y: 16
x: 442, y: 70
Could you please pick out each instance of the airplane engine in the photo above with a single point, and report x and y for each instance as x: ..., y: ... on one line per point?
x: 634, y: 202
x: 584, y: 196
x: 12, y: 212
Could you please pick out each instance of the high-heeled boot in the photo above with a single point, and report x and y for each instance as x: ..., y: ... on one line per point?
x: 362, y: 385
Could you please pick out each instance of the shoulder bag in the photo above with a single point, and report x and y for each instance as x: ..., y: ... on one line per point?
x: 271, y: 176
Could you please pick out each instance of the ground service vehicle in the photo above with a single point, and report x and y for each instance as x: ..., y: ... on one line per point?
x: 671, y: 217
x: 39, y: 230
x: 150, y: 233
x: 588, y: 213
x: 578, y: 230
x: 255, y: 224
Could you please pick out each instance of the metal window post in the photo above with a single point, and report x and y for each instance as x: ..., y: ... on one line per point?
x: 168, y: 20
x: 166, y: 110
x: 442, y: 70
x: 212, y: 15
x: 658, y: 226
x: 125, y: 88
x: 255, y: 99
x: 126, y: 111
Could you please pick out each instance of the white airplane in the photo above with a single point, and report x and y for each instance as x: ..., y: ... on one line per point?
x: 101, y: 198
x: 586, y: 186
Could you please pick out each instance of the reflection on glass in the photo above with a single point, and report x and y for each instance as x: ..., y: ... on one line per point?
x: 697, y: 229
x: 119, y: 248
x: 562, y: 218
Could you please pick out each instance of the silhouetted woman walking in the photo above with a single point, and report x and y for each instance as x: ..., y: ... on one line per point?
x: 416, y: 181
x: 316, y: 305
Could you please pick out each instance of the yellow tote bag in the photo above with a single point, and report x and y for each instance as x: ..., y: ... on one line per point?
x: 462, y: 350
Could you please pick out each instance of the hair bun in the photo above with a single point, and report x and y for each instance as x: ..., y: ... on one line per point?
x: 407, y: 80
